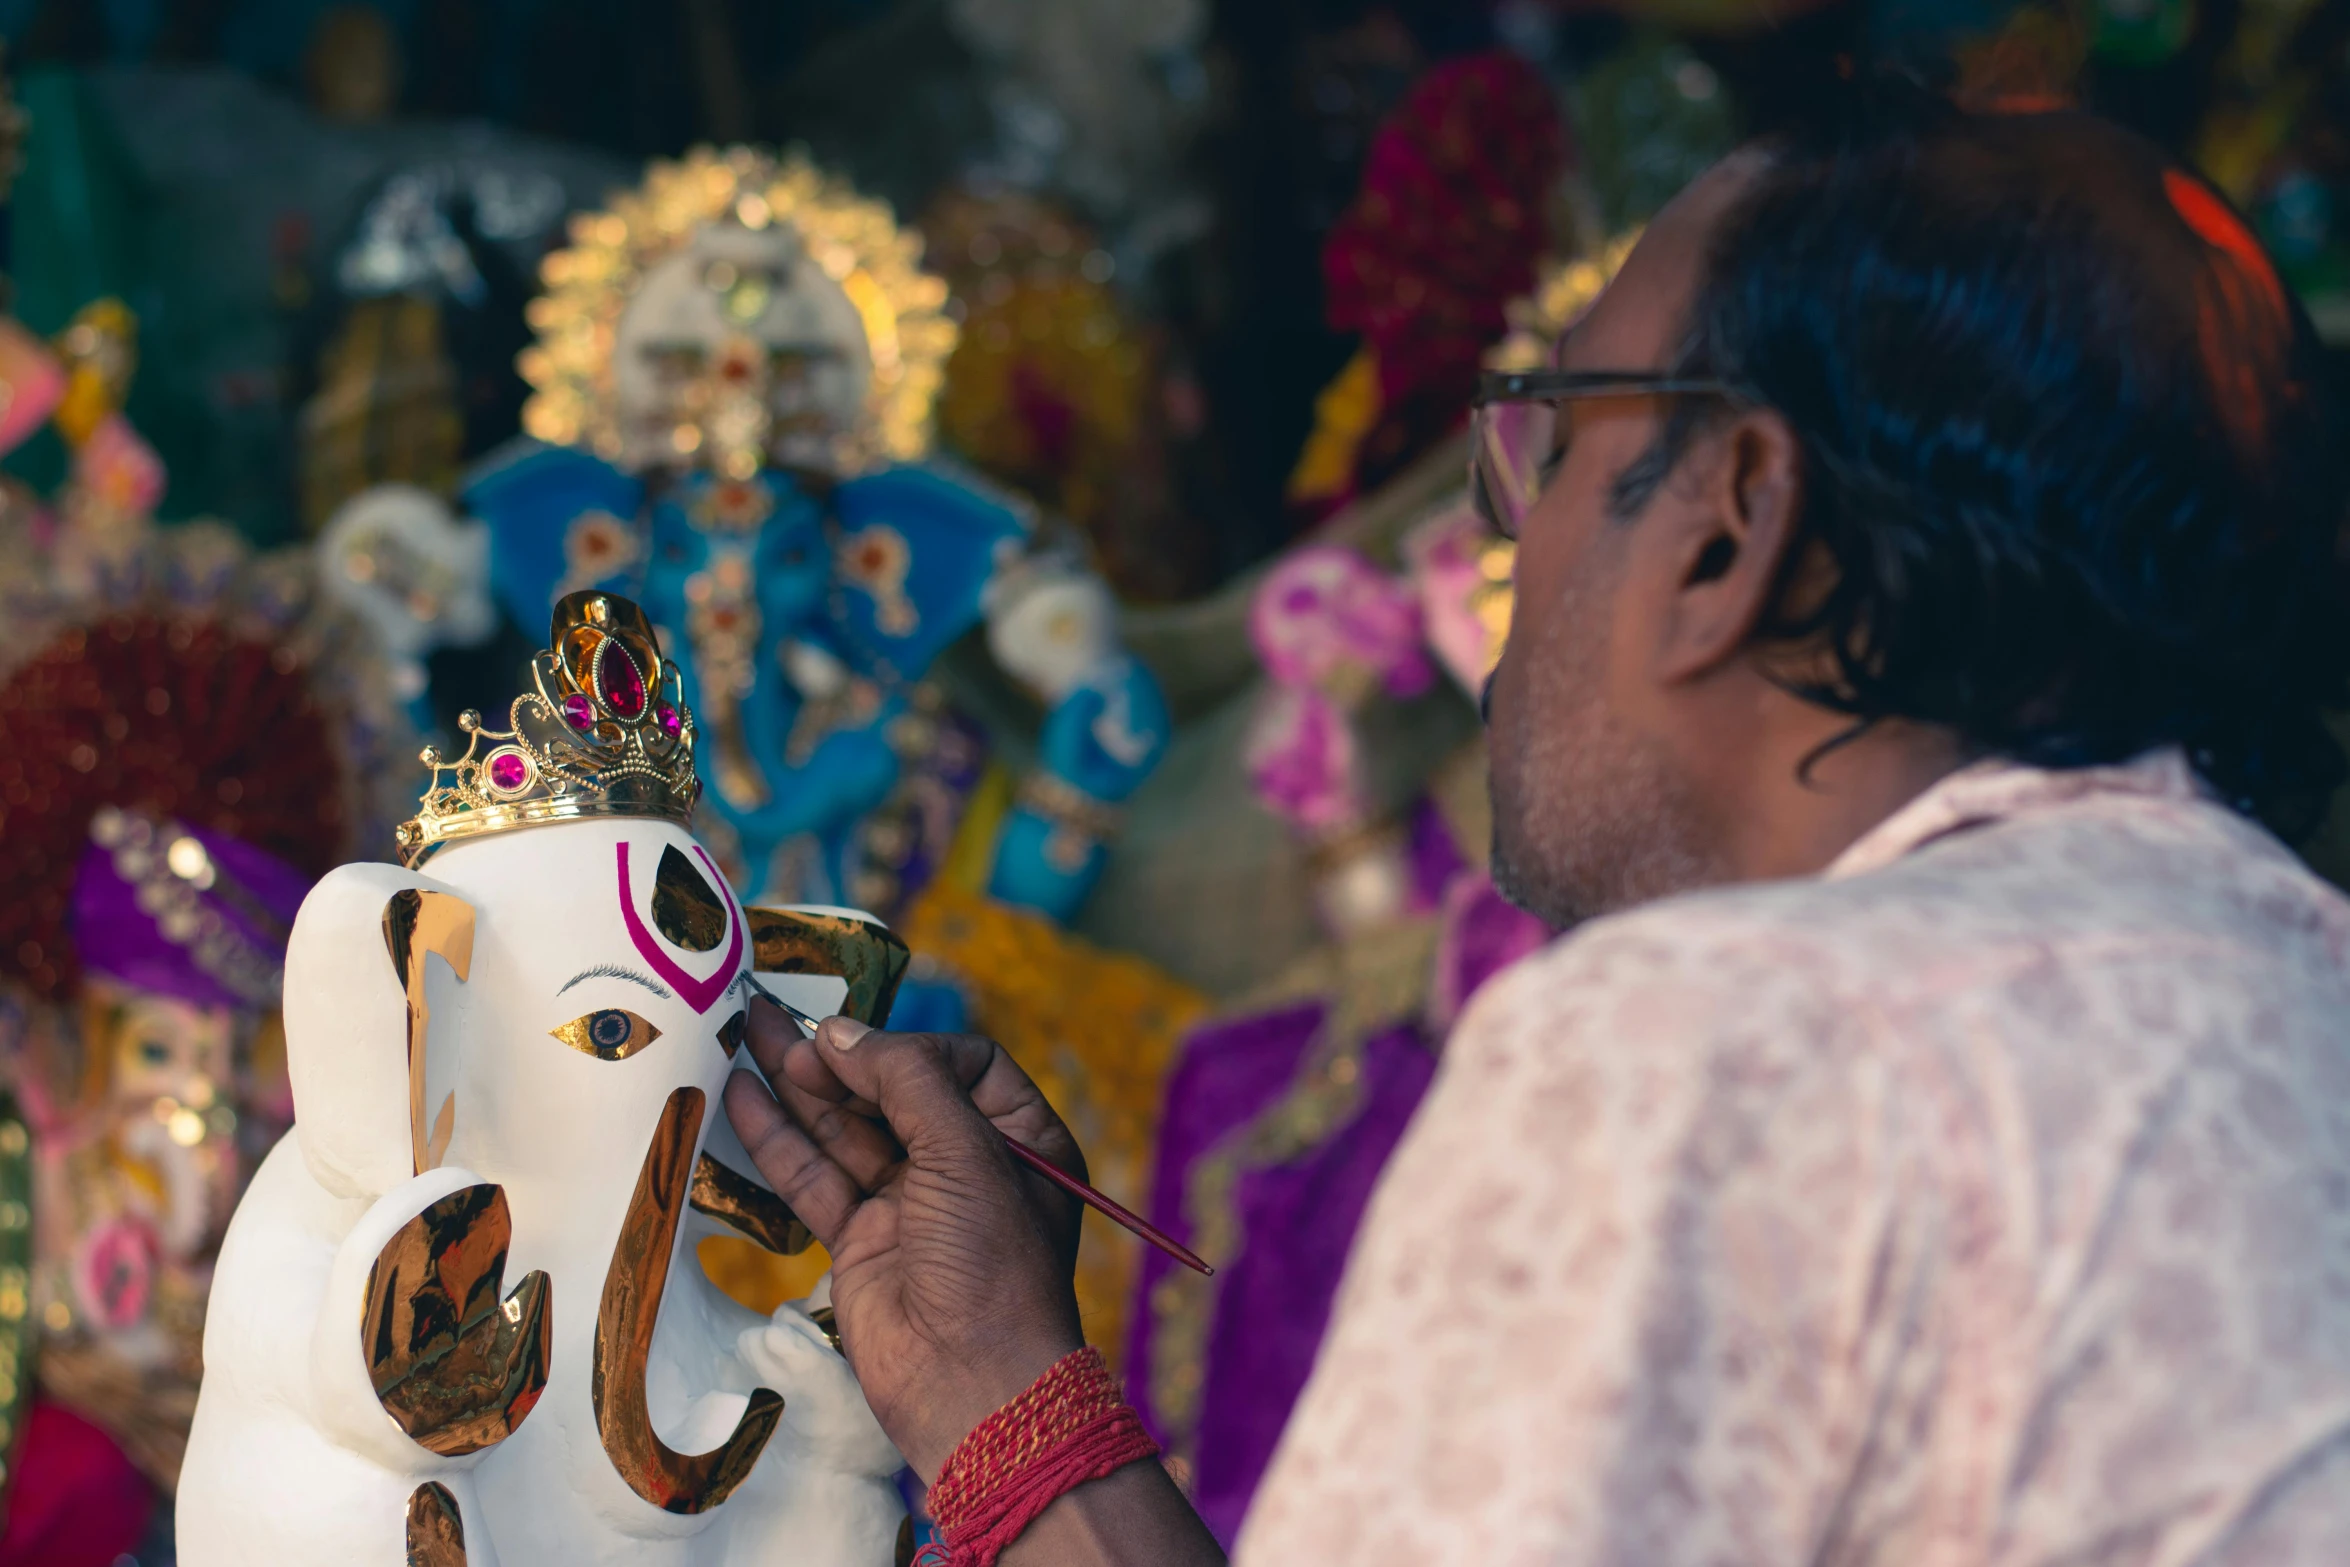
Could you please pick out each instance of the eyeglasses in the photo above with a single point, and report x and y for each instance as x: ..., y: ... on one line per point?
x: 1513, y: 445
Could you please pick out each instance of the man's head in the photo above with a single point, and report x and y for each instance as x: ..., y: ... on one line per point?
x: 2025, y: 457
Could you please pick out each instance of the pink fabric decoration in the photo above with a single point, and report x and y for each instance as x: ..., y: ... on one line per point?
x: 1329, y: 627
x: 1443, y: 555
x: 117, y: 467
x: 1327, y: 617
x: 115, y: 1272
x: 76, y: 1501
x: 32, y: 384
x: 1301, y: 760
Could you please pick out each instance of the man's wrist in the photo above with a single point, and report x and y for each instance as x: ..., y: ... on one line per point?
x: 962, y: 1396
x: 1068, y: 1428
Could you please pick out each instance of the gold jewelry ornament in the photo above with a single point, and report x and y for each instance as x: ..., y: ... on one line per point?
x: 868, y: 266
x: 606, y: 733
x: 1080, y: 822
x: 1563, y: 290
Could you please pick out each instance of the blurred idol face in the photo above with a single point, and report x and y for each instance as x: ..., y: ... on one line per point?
x: 739, y: 349
x: 159, y: 1047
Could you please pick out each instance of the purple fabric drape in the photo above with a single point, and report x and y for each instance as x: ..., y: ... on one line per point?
x: 1295, y: 1218
x: 253, y: 893
x: 1273, y: 1300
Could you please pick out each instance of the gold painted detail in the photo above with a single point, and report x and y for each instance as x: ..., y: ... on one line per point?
x: 730, y: 1033
x: 742, y: 1204
x: 608, y: 1034
x: 869, y: 956
x: 856, y: 242
x: 631, y: 1303
x: 418, y: 924
x: 436, y: 1530
x: 686, y: 908
x: 1080, y: 822
x: 456, y: 1366
x: 1562, y: 292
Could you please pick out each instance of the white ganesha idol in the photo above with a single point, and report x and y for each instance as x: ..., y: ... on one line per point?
x: 457, y: 1317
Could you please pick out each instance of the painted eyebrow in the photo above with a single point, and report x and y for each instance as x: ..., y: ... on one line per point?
x: 619, y: 971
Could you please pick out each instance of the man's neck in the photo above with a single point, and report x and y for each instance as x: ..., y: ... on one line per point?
x: 1796, y: 802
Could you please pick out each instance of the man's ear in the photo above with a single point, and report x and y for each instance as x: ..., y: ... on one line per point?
x: 1729, y: 556
x: 356, y: 1024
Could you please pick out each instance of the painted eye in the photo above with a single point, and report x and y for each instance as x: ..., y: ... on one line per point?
x: 614, y: 1034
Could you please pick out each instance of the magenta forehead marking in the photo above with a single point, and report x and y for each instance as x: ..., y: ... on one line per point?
x: 700, y: 994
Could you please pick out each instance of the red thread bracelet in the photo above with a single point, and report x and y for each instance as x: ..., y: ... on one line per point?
x: 1071, y: 1425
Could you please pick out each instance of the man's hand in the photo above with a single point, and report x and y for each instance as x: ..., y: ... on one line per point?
x: 951, y: 1265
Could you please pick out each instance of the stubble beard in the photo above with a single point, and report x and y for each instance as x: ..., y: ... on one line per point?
x: 1591, y: 821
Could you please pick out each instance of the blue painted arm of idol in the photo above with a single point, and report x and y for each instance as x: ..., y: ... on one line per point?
x: 1104, y: 739
x: 555, y: 516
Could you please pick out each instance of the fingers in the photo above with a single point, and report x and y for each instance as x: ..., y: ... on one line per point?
x: 856, y: 1141
x: 997, y: 1086
x: 823, y: 1194
x: 844, y: 1125
x: 771, y: 1035
x: 911, y: 1078
x: 828, y: 1090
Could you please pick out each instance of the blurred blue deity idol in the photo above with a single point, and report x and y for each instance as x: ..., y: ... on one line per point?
x: 734, y: 370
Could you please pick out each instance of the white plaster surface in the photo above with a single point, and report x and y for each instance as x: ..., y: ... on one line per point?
x: 291, y: 1461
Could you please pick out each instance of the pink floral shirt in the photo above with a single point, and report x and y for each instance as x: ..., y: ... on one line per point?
x: 1985, y: 1200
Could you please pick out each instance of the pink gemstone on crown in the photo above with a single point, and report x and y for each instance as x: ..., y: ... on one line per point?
x: 623, y: 688
x: 669, y: 718
x: 509, y: 771
x: 578, y: 711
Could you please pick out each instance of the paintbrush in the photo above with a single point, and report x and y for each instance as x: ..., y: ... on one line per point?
x: 1040, y: 1164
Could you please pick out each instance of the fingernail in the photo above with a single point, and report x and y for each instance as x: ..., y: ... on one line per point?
x: 845, y: 1032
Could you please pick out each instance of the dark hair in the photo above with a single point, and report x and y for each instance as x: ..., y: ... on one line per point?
x: 2063, y: 435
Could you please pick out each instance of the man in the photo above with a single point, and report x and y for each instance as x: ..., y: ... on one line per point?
x: 1934, y: 1145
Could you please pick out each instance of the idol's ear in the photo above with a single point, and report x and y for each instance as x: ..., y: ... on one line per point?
x: 358, y: 1021
x: 865, y: 953
x: 834, y: 943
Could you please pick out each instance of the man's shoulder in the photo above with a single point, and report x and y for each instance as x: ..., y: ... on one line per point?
x: 1689, y: 976
x: 2109, y: 890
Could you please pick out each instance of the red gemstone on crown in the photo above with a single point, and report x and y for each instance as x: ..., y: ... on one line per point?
x: 578, y: 711
x: 622, y: 688
x: 669, y: 718
x: 509, y: 771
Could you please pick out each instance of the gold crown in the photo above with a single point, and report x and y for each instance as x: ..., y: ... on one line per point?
x: 607, y: 733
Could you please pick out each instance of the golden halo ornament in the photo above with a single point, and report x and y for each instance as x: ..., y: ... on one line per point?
x: 854, y: 240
